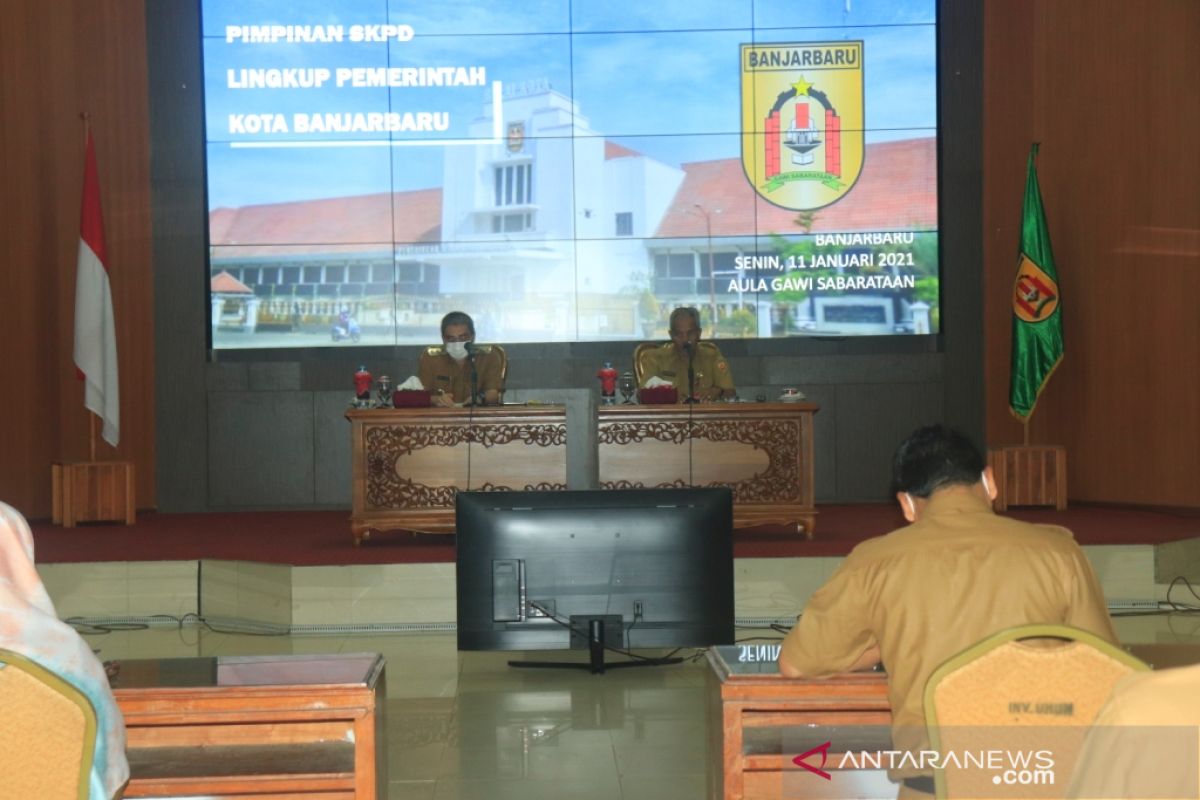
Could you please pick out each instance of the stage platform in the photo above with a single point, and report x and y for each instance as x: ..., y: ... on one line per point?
x: 300, y: 569
x: 322, y: 538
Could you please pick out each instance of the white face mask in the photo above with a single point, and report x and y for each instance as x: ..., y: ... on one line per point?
x: 457, y: 350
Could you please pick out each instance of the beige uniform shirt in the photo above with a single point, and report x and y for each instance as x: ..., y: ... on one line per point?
x: 929, y: 591
x: 1145, y: 741
x: 441, y: 373
x: 710, y: 368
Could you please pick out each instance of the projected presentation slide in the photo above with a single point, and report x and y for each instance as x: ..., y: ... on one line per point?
x: 569, y: 170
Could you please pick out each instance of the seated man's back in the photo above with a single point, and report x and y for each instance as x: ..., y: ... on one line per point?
x: 931, y: 590
x: 958, y: 574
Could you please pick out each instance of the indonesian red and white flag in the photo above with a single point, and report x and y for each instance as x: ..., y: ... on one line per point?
x: 95, y: 329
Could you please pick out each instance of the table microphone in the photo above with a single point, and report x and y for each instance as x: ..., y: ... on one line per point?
x: 691, y: 354
x: 472, y: 349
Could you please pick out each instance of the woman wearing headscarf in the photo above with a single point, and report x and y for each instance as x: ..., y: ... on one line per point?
x: 30, y: 627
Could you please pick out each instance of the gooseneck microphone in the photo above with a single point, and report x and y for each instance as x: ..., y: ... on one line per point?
x: 690, y: 349
x: 472, y: 349
x: 691, y: 356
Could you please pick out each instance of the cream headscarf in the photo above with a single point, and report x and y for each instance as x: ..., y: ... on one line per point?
x: 30, y: 626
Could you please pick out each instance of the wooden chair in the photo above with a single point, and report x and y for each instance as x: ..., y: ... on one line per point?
x: 49, y: 733
x: 642, y: 354
x: 499, y: 351
x: 988, y: 698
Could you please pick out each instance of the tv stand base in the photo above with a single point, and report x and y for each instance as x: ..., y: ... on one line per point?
x: 595, y: 663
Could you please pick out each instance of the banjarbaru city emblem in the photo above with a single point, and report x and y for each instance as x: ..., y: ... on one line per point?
x: 516, y: 137
x: 1035, y: 294
x: 802, y: 121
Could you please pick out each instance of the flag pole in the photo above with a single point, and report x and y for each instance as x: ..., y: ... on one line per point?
x: 1037, y: 343
x: 111, y: 487
x: 1025, y: 420
x: 1037, y: 351
x: 86, y: 118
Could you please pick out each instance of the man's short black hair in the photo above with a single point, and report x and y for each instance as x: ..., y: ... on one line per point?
x: 933, y: 457
x: 685, y: 311
x: 458, y: 318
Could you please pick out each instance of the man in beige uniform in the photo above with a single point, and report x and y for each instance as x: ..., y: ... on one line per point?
x: 1145, y: 741
x: 711, y: 380
x: 446, y: 371
x: 925, y: 592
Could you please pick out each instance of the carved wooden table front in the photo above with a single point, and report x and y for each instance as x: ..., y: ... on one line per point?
x: 763, y: 451
x: 408, y: 463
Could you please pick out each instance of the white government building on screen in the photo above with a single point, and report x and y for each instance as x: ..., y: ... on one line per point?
x: 603, y: 255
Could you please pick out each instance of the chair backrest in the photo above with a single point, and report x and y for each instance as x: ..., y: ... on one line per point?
x: 640, y: 354
x: 641, y: 357
x: 503, y: 356
x: 49, y: 733
x: 988, y: 697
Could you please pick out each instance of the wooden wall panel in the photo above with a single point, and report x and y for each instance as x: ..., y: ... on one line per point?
x: 1109, y: 89
x: 59, y: 60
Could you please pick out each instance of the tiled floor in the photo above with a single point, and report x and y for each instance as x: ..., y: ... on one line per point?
x: 466, y: 726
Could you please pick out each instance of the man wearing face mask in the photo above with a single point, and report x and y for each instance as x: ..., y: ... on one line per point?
x: 446, y: 371
x: 955, y: 575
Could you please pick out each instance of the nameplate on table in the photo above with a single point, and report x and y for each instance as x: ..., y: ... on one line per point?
x: 750, y: 658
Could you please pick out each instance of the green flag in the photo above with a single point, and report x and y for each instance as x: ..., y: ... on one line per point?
x: 1037, y: 338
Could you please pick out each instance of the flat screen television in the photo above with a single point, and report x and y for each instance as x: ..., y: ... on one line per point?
x: 555, y: 570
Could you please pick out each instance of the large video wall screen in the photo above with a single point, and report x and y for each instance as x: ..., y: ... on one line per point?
x: 569, y: 171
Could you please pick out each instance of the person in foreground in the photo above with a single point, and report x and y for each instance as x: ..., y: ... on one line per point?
x: 30, y: 627
x: 446, y: 371
x: 955, y: 575
x: 1145, y: 741
x: 711, y: 377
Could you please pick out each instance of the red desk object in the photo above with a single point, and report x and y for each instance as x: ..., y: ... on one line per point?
x: 411, y: 398
x: 658, y: 395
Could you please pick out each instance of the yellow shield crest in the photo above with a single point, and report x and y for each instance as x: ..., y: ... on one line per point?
x: 802, y: 120
x: 1035, y: 294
